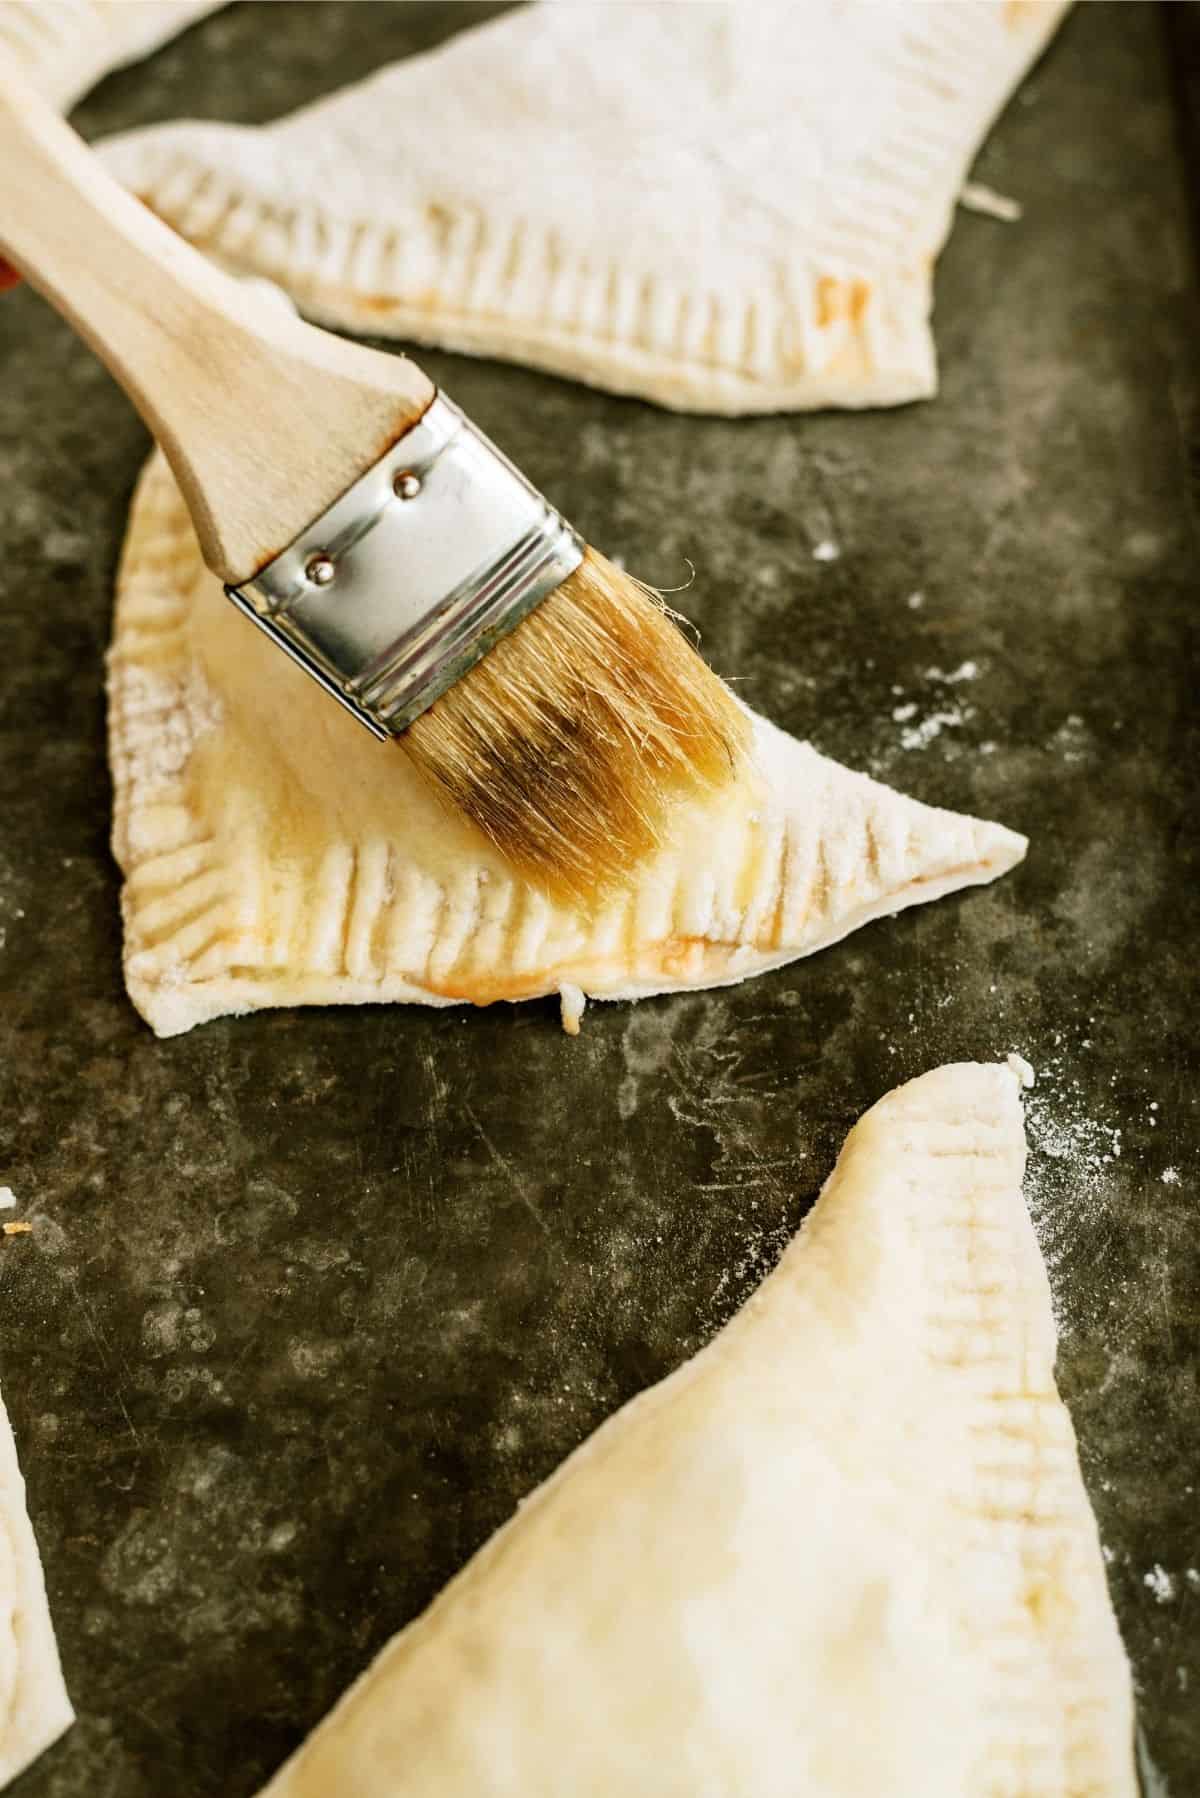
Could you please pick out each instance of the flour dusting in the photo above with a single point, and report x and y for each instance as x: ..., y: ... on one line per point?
x: 761, y: 1249
x: 162, y: 720
x: 923, y: 727
x: 1070, y: 1181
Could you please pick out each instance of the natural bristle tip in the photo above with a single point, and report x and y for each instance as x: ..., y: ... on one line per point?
x: 571, y: 741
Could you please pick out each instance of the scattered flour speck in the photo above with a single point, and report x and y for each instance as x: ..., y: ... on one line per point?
x: 1160, y: 1582
x: 915, y: 601
x: 1072, y: 739
x: 920, y: 736
x: 825, y: 551
x: 1170, y: 1176
x: 965, y: 671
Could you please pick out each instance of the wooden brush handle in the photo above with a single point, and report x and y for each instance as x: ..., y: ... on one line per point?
x: 265, y: 420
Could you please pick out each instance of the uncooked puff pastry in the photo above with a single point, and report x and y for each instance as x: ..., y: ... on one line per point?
x: 275, y: 854
x: 728, y: 208
x: 34, y: 1707
x: 65, y: 46
x: 845, y: 1552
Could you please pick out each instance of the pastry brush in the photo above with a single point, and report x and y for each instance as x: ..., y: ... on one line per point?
x: 378, y: 538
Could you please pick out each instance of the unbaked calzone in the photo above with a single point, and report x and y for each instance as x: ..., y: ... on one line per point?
x: 64, y: 46
x: 725, y: 208
x: 34, y: 1707
x: 844, y: 1552
x: 275, y: 854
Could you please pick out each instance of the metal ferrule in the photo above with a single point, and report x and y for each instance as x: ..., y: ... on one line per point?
x: 414, y: 573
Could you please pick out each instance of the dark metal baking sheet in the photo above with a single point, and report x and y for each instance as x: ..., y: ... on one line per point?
x: 313, y: 1298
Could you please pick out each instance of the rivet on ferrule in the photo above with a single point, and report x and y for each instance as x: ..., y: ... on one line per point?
x: 406, y: 485
x: 320, y: 570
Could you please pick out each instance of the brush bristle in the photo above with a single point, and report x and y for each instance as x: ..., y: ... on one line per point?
x: 570, y: 741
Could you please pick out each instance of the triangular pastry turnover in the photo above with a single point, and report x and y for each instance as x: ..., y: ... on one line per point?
x: 275, y: 854
x: 845, y: 1552
x: 34, y: 1707
x: 729, y: 208
x: 65, y: 46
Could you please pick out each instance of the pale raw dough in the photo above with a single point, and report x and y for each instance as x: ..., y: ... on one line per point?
x: 65, y: 46
x: 729, y: 208
x: 276, y: 854
x: 34, y: 1707
x: 845, y: 1552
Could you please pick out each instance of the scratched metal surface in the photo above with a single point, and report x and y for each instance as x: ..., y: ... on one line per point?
x: 313, y: 1298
